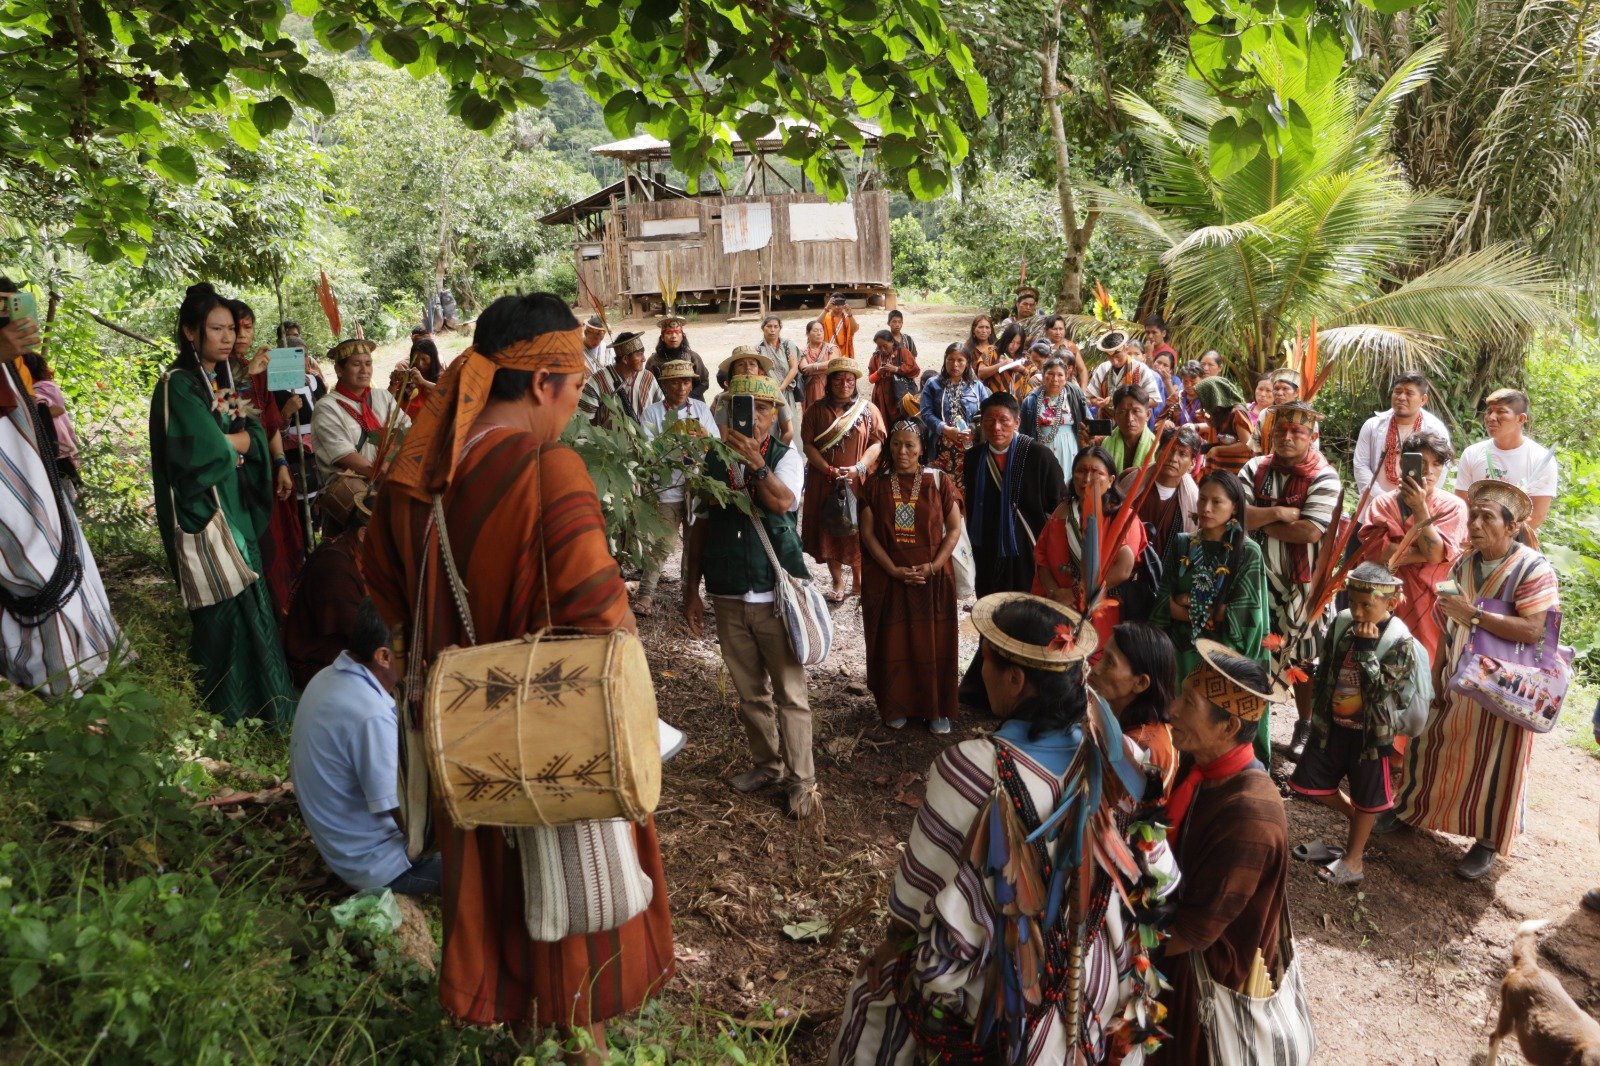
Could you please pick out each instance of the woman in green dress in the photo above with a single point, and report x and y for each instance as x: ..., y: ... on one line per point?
x: 200, y: 442
x: 1214, y: 585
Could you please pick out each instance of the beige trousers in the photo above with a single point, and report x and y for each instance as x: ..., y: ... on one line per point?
x: 771, y: 685
x: 673, y: 515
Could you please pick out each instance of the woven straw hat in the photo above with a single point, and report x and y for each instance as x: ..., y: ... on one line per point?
x: 346, y: 349
x: 744, y: 351
x: 841, y: 364
x: 1220, y: 687
x: 1502, y: 494
x: 1078, y: 640
x: 678, y: 368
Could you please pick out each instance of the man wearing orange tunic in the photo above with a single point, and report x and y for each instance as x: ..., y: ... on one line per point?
x: 525, y: 529
x: 839, y: 326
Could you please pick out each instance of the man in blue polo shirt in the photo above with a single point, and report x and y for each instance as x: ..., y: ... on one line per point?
x: 344, y: 760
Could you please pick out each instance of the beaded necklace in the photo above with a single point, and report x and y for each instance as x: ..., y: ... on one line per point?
x: 905, y: 511
x: 1208, y: 572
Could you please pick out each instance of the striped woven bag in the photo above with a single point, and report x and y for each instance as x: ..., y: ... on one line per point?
x: 1243, y: 1030
x: 211, y: 568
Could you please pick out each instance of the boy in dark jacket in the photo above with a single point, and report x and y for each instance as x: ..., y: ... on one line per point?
x: 1372, y: 671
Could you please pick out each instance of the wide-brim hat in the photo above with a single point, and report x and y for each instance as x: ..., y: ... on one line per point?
x: 677, y: 368
x: 1111, y: 340
x: 842, y: 364
x: 1502, y: 494
x: 627, y: 344
x: 744, y: 351
x: 671, y: 318
x: 1220, y: 687
x: 761, y: 387
x: 1298, y: 413
x: 347, y: 349
x: 1076, y: 640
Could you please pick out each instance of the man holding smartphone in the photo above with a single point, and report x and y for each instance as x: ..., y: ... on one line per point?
x: 724, y: 547
x: 1378, y: 446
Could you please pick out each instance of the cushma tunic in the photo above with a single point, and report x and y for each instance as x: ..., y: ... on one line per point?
x: 234, y: 644
x: 867, y: 431
x: 528, y: 535
x: 912, y: 645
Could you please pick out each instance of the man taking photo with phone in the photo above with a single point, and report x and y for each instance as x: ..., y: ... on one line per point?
x: 723, y: 545
x: 1378, y: 447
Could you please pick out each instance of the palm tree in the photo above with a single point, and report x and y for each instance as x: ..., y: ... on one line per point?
x: 1329, y: 229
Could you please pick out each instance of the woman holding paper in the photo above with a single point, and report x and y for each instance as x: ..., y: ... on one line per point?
x: 1005, y: 367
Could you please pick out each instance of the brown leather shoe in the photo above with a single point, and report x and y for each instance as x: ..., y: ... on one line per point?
x: 756, y: 779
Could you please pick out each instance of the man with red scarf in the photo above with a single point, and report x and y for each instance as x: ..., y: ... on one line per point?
x: 1294, y: 496
x: 1230, y: 837
x: 346, y: 426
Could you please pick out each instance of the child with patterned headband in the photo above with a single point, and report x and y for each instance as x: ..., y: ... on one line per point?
x: 1370, y: 672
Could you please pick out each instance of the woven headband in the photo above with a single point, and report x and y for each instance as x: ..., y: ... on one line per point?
x: 428, y: 458
x: 1220, y: 689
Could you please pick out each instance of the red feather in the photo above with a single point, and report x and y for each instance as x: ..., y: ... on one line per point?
x: 330, y: 306
x: 1143, y: 481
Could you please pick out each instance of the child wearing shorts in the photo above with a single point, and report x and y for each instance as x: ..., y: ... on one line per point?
x: 1368, y: 675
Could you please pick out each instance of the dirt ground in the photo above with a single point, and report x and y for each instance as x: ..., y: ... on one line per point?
x: 1405, y: 971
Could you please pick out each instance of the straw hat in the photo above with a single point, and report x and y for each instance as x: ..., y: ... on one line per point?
x: 1289, y: 374
x: 1027, y: 290
x: 1222, y: 689
x: 1502, y: 494
x: 842, y: 364
x: 670, y: 319
x: 1111, y: 340
x: 349, y: 348
x: 761, y: 387
x: 1075, y: 642
x: 744, y: 351
x: 1373, y: 577
x: 677, y: 368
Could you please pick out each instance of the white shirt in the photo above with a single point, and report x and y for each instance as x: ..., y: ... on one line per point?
x: 336, y: 432
x: 599, y: 357
x: 1368, y: 458
x: 1530, y: 467
x: 791, y: 470
x: 1133, y: 373
x: 655, y: 420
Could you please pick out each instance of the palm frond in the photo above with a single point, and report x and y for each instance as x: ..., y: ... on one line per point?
x: 1482, y: 296
x: 1147, y: 232
x: 1369, y: 134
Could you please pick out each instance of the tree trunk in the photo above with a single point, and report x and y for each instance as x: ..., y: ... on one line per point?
x: 1069, y: 294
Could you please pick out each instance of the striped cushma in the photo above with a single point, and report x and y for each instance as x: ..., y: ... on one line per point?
x: 951, y: 909
x: 1286, y: 596
x: 73, y: 645
x: 1467, y: 773
x: 527, y: 533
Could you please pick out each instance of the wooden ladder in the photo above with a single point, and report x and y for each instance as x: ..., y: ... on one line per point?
x: 746, y: 304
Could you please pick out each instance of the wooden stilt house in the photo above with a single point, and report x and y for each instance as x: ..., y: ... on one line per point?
x: 763, y: 242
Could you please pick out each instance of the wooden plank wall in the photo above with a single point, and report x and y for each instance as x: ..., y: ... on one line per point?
x: 698, y: 262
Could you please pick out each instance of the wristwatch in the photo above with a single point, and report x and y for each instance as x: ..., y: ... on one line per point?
x: 281, y: 461
x: 762, y: 474
x: 1477, y: 618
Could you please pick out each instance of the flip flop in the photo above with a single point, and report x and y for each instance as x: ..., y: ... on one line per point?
x: 1316, y: 851
x: 835, y: 597
x: 1337, y: 873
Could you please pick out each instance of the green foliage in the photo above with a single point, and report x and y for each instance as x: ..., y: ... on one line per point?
x: 1326, y: 230
x: 630, y: 469
x: 916, y: 263
x: 129, y: 86
x: 425, y: 194
x: 1007, y: 218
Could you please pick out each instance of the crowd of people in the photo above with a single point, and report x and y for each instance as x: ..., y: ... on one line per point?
x: 1143, y: 545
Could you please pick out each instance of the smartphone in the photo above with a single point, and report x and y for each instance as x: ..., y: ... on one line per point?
x: 1448, y: 588
x: 1411, y: 466
x: 742, y: 414
x: 15, y: 305
x: 1099, y: 427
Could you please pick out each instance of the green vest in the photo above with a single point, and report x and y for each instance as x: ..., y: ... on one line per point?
x: 734, y: 562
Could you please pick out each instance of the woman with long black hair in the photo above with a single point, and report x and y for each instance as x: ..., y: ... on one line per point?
x: 926, y: 994
x: 949, y: 413
x: 1137, y: 676
x: 207, y: 456
x: 417, y: 377
x: 1214, y: 584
